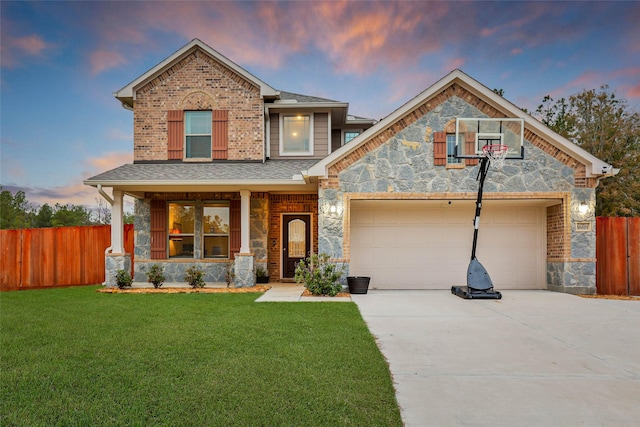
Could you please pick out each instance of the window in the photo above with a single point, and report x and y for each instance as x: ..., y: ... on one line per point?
x: 187, y: 236
x: 296, y: 137
x: 451, y: 147
x: 215, y: 223
x: 181, y: 230
x: 350, y: 134
x: 197, y: 134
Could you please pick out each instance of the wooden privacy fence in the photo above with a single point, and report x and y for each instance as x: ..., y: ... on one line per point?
x: 618, y: 255
x: 48, y: 257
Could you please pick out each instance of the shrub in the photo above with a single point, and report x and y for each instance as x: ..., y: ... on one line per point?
x: 155, y: 275
x: 123, y: 279
x: 320, y: 276
x: 194, y: 276
x: 261, y: 272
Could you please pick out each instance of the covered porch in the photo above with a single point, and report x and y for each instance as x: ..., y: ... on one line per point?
x: 207, y: 223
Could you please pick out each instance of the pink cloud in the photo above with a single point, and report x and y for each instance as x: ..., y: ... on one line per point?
x: 516, y: 51
x: 16, y: 50
x: 102, y: 60
x: 357, y: 37
x: 633, y: 92
x: 454, y: 63
x: 106, y: 162
x: 32, y: 45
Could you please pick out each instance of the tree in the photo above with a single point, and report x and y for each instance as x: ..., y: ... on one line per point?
x: 44, y: 216
x: 68, y: 215
x: 102, y: 212
x: 15, y: 210
x: 128, y: 217
x: 603, y: 125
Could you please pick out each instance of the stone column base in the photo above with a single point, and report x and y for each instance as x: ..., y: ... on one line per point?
x: 245, y: 271
x: 113, y: 263
x: 574, y: 277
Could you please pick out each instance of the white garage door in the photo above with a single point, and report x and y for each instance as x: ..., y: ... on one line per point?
x: 427, y: 244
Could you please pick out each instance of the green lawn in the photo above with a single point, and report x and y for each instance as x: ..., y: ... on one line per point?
x: 73, y: 356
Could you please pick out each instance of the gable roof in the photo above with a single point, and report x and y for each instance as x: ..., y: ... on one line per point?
x: 126, y: 95
x: 303, y: 98
x: 595, y: 167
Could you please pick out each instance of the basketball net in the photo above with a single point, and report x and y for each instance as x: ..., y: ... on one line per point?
x: 496, y: 153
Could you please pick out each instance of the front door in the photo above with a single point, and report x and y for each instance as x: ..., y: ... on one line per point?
x: 296, y: 242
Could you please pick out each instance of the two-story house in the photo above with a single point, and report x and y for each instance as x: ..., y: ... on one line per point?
x: 229, y: 169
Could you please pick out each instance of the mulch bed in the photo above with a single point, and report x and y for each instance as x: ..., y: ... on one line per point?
x: 185, y: 290
x: 306, y: 293
x: 619, y: 297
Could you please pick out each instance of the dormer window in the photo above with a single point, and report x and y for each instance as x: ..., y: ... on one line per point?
x: 197, y: 131
x: 296, y: 137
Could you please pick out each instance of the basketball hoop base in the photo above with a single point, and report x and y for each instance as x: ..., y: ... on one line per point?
x: 470, y: 293
x: 479, y: 284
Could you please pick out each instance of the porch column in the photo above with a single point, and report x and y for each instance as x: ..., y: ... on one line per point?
x: 116, y: 259
x: 245, y: 230
x: 117, y: 246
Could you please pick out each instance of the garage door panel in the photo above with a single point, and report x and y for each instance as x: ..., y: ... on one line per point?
x: 385, y: 237
x: 430, y: 248
x: 432, y: 216
x: 413, y: 216
x: 502, y: 216
x: 410, y: 237
x: 457, y: 216
x: 527, y: 216
x: 363, y: 239
x: 385, y: 216
x: 362, y: 216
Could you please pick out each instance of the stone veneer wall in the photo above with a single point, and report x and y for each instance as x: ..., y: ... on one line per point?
x: 404, y: 165
x: 215, y: 269
x: 574, y: 270
x: 259, y: 223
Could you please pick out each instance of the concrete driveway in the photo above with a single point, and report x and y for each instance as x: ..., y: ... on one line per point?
x: 534, y: 358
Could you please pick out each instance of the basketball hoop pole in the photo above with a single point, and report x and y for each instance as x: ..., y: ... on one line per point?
x: 479, y: 284
x: 482, y: 174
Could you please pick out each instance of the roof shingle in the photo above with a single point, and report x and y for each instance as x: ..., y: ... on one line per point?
x: 189, y: 172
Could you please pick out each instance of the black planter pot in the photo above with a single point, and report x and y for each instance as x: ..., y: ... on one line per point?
x: 262, y: 279
x: 358, y: 284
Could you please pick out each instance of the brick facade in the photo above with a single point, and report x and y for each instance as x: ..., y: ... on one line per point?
x: 288, y: 203
x: 198, y: 82
x: 557, y: 238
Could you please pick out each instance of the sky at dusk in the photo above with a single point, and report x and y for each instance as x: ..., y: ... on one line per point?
x: 62, y: 61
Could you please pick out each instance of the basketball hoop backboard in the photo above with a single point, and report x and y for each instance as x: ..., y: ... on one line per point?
x: 474, y: 133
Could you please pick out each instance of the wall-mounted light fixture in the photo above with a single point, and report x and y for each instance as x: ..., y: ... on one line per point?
x: 583, y: 208
x: 332, y: 208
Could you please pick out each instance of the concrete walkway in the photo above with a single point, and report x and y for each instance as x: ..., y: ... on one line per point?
x: 292, y: 292
x: 534, y: 358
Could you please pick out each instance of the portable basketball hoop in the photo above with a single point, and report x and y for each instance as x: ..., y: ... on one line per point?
x: 491, y: 141
x: 497, y: 153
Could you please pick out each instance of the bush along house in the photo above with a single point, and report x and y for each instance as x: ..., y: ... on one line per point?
x: 229, y: 169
